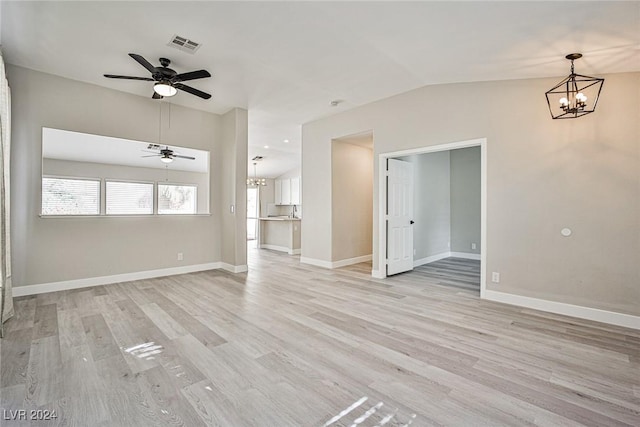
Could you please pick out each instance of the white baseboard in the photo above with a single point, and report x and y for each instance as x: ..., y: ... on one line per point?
x: 281, y: 249
x: 351, y: 261
x: 41, y: 288
x: 466, y: 255
x: 335, y: 264
x: 432, y: 258
x: 316, y: 262
x: 377, y: 274
x: 233, y: 268
x: 595, y: 314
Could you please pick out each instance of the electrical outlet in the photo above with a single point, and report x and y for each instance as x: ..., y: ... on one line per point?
x: 180, y: 256
x: 495, y: 277
x: 414, y: 252
x: 473, y: 246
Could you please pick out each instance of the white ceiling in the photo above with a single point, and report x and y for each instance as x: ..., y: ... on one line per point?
x: 286, y: 61
x: 82, y: 147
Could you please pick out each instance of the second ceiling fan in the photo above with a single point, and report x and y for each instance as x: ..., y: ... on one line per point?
x: 168, y: 81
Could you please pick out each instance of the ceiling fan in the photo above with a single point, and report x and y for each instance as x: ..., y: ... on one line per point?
x: 168, y: 82
x: 166, y: 154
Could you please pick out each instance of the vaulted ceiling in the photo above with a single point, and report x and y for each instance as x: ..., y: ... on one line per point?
x: 286, y: 61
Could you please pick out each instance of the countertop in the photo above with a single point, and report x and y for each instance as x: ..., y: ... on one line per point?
x: 278, y: 218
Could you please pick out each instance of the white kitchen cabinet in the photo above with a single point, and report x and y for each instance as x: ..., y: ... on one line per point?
x: 295, y: 190
x: 278, y: 191
x: 285, y: 192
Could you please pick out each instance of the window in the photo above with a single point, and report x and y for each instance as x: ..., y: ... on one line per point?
x: 177, y: 199
x: 66, y: 196
x: 129, y: 198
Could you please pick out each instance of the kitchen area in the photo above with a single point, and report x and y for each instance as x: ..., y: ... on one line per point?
x: 274, y: 213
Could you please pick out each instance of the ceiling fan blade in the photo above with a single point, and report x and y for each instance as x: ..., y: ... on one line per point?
x: 200, y: 74
x: 115, y: 76
x: 192, y: 91
x: 184, y: 157
x: 153, y: 155
x: 146, y: 64
x: 156, y: 95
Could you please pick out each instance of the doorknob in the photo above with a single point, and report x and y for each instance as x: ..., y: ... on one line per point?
x: 411, y: 222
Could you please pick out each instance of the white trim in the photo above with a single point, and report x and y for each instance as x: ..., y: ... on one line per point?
x: 351, y: 261
x: 316, y: 262
x: 233, y: 268
x: 335, y: 264
x: 432, y: 258
x: 595, y: 314
x: 107, y: 280
x: 382, y: 201
x: 465, y: 255
x: 280, y: 249
x: 377, y: 274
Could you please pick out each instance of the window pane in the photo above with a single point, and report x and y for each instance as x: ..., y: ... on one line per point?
x: 129, y: 198
x: 70, y: 196
x: 177, y: 199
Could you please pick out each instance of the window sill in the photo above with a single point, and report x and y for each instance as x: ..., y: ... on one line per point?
x: 121, y: 216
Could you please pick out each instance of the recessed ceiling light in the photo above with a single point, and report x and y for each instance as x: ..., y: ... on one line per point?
x: 266, y: 146
x: 286, y: 141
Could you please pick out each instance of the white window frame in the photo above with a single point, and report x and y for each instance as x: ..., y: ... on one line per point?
x: 75, y: 178
x: 154, y: 199
x: 183, y: 184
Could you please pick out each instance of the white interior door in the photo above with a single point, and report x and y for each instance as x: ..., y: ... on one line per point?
x: 399, y: 216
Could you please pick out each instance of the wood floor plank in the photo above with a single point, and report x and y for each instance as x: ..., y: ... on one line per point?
x: 99, y: 336
x: 45, y: 322
x: 174, y: 408
x: 15, y: 349
x: 45, y: 377
x: 186, y: 320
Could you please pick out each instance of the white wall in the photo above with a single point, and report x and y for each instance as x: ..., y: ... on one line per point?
x: 291, y: 173
x: 352, y: 201
x: 542, y: 175
x: 267, y: 196
x: 69, y: 168
x: 48, y: 249
x: 465, y: 199
x: 234, y: 187
x: 431, y: 204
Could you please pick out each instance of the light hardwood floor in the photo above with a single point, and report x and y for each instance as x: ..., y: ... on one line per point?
x: 295, y: 345
x: 458, y: 272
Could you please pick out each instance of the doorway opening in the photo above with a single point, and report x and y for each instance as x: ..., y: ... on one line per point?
x: 432, y: 208
x: 253, y: 213
x: 352, y: 164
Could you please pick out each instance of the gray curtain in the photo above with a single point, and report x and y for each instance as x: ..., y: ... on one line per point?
x: 6, y: 297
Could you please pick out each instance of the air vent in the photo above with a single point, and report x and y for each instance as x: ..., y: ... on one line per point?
x: 257, y: 158
x: 184, y: 44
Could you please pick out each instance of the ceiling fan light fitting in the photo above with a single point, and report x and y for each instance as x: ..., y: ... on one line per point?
x: 166, y: 159
x: 164, y: 89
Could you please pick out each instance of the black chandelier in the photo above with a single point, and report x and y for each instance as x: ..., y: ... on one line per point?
x: 575, y: 96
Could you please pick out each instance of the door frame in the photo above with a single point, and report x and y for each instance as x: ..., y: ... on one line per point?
x: 381, y: 232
